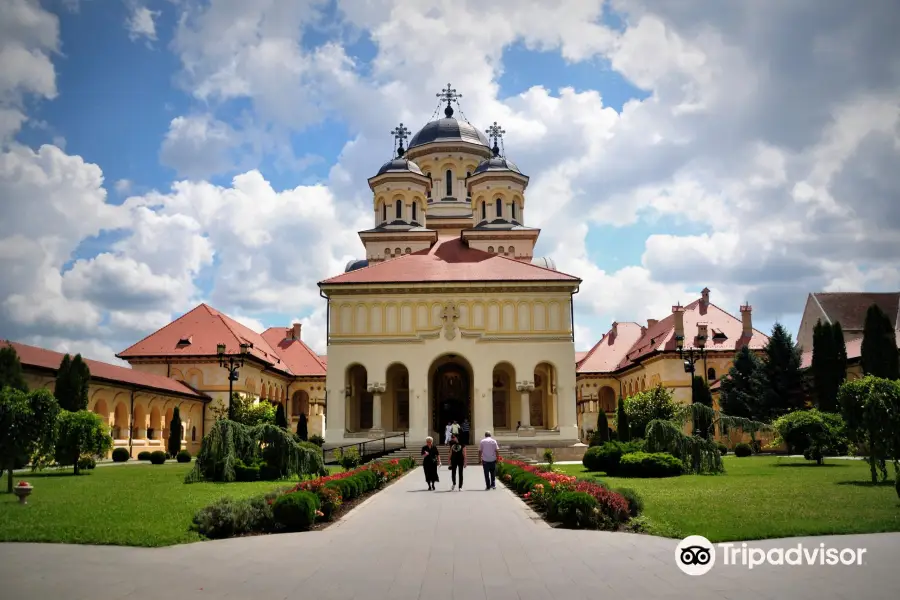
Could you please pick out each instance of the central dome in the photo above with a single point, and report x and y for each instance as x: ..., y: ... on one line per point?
x: 449, y: 129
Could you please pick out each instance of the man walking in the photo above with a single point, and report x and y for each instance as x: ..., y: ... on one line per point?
x: 457, y: 461
x: 454, y: 430
x: 488, y: 453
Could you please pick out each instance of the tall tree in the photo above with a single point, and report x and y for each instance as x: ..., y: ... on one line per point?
x: 11, y: 374
x: 72, y: 382
x: 302, y: 431
x: 840, y: 352
x: 173, y: 444
x: 700, y: 394
x: 742, y: 389
x: 280, y: 417
x: 81, y: 433
x: 602, y: 426
x: 27, y: 427
x: 824, y: 364
x: 623, y: 431
x: 879, y: 346
x: 784, y: 381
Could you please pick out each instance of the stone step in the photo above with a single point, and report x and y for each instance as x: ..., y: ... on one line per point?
x: 444, y: 451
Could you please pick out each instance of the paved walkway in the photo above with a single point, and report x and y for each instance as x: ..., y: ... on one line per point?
x: 407, y: 543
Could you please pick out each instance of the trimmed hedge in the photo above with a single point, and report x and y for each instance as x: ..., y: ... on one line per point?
x: 723, y: 449
x: 157, y: 457
x: 606, y: 458
x: 575, y: 510
x: 743, y: 449
x: 120, y: 455
x: 183, y: 456
x: 86, y: 463
x: 145, y: 455
x: 295, y: 512
x: 647, y: 464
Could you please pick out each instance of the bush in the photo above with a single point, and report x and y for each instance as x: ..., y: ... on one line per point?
x: 244, y: 472
x: 318, y: 440
x: 120, y: 455
x: 228, y: 517
x: 86, y: 463
x: 812, y: 433
x: 646, y: 464
x: 329, y: 501
x: 349, y: 459
x: 145, y: 455
x: 576, y: 510
x: 157, y: 457
x: 183, y: 456
x: 743, y: 449
x: 295, y: 511
x: 606, y: 457
x: 723, y: 449
x: 269, y: 472
x: 635, y: 502
x: 649, y: 405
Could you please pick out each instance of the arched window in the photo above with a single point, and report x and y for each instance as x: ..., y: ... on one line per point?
x: 449, y: 183
x: 428, y: 193
x: 499, y: 207
x: 384, y: 212
x: 415, y: 205
x: 468, y: 192
x: 511, y: 250
x: 491, y: 249
x: 398, y: 208
x: 484, y: 211
x: 500, y: 250
x: 407, y: 251
x: 194, y: 434
x: 513, y: 207
x: 711, y: 374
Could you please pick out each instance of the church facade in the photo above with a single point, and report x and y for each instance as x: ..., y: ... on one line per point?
x: 450, y: 316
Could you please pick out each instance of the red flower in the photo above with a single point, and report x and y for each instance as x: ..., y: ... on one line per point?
x: 23, y: 484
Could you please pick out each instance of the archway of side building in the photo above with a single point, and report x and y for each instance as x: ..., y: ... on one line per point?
x: 358, y: 411
x: 502, y: 387
x: 542, y: 400
x: 299, y: 404
x: 395, y: 401
x: 450, y: 394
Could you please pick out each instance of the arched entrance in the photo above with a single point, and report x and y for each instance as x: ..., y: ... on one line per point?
x: 451, y: 392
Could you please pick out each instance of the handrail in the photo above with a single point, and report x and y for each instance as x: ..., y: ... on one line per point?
x: 361, y: 446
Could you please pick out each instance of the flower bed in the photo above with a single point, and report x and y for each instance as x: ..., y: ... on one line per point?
x: 564, y: 499
x: 306, y: 505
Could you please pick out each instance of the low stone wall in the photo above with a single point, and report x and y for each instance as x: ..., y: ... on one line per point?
x: 560, y: 452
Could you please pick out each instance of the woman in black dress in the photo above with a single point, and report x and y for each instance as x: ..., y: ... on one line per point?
x: 431, y: 460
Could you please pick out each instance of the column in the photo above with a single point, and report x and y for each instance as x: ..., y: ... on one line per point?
x: 418, y: 413
x: 525, y: 387
x: 483, y: 409
x: 335, y: 410
x: 376, y: 389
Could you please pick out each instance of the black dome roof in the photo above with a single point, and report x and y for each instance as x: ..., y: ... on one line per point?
x: 400, y: 165
x: 449, y: 129
x: 496, y: 163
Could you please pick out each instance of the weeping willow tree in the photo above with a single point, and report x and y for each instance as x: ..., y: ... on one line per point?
x: 229, y: 443
x: 699, y: 454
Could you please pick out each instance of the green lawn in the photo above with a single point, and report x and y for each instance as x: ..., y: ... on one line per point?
x: 130, y: 505
x: 765, y: 497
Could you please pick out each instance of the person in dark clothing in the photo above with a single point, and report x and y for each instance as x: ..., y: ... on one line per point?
x: 457, y: 461
x: 431, y: 460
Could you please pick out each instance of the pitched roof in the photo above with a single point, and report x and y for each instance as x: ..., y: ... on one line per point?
x: 32, y: 356
x: 849, y: 308
x: 198, y: 332
x: 606, y: 354
x: 854, y: 351
x: 449, y: 260
x: 298, y: 357
x: 581, y: 355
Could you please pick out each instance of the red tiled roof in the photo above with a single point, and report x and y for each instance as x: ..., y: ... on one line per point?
x: 204, y: 327
x: 580, y: 356
x: 854, y: 351
x: 298, y: 357
x: 611, y: 349
x: 324, y: 359
x: 450, y: 259
x: 32, y: 356
x: 715, y: 385
x: 849, y: 308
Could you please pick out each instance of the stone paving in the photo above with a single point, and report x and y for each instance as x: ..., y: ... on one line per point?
x: 407, y: 543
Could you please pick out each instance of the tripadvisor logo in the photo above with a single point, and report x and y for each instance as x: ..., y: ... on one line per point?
x: 696, y: 555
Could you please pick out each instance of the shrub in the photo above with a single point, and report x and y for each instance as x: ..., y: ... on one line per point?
x: 329, y: 501
x: 812, y: 433
x: 86, y: 463
x: 316, y: 439
x: 606, y: 457
x: 576, y: 510
x: 120, y: 455
x: 145, y: 455
x: 269, y: 472
x: 635, y: 502
x: 548, y: 456
x: 157, y: 457
x: 349, y: 459
x: 647, y: 406
x: 646, y: 464
x: 244, y: 472
x: 183, y: 456
x: 295, y: 511
x: 78, y: 434
x: 228, y: 517
x: 742, y: 449
x: 723, y: 449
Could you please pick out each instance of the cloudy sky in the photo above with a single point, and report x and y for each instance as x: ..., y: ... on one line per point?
x: 161, y: 153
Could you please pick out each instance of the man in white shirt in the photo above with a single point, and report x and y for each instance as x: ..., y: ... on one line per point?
x: 488, y: 453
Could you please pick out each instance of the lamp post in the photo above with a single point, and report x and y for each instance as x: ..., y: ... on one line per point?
x: 231, y: 363
x: 690, y: 358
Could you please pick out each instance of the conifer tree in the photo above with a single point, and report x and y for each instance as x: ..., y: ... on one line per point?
x: 11, y: 374
x: 280, y: 418
x: 302, y: 431
x: 840, y: 347
x: 173, y: 445
x: 784, y: 381
x: 72, y: 382
x: 700, y: 394
x: 879, y: 345
x: 743, y: 388
x: 623, y: 432
x: 824, y: 362
x: 602, y: 433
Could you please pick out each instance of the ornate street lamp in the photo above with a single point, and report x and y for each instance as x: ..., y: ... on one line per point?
x: 690, y: 358
x: 232, y: 363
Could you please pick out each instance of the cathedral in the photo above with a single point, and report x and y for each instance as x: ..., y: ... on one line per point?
x: 450, y: 317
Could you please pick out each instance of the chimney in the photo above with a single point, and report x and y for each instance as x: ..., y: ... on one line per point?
x: 678, y: 314
x: 747, y: 320
x: 651, y: 323
x: 295, y: 331
x: 704, y: 296
x: 615, y: 328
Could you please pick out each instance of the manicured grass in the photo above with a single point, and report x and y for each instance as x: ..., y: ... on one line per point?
x: 129, y: 505
x: 765, y: 497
